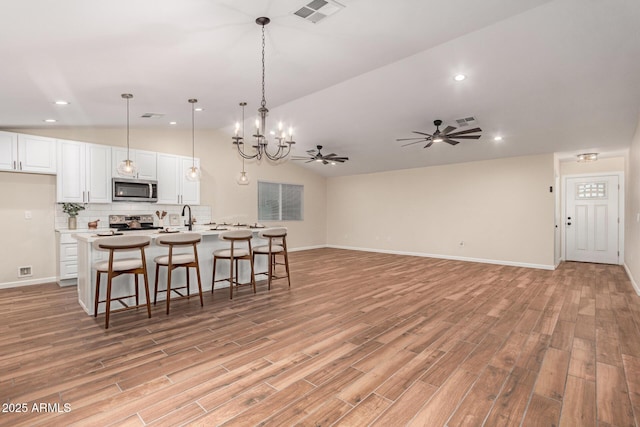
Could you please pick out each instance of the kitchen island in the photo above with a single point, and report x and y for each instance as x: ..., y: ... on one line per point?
x: 124, y: 285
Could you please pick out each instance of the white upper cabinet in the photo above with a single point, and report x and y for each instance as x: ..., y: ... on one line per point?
x: 27, y: 153
x: 173, y: 187
x: 85, y: 172
x: 145, y: 162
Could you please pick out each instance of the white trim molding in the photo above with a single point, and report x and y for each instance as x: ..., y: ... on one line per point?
x: 455, y: 258
x: 41, y: 281
x: 635, y: 284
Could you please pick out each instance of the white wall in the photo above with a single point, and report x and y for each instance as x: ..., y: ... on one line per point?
x: 27, y: 242
x: 632, y: 222
x: 220, y: 164
x: 501, y: 209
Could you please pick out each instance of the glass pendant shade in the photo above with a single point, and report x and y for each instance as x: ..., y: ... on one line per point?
x: 193, y: 174
x: 127, y: 168
x: 243, y: 178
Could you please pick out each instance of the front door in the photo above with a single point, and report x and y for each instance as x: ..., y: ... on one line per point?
x: 591, y: 219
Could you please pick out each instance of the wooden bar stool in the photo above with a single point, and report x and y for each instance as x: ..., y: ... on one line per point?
x: 234, y: 254
x: 175, y: 260
x: 116, y: 267
x: 277, y: 245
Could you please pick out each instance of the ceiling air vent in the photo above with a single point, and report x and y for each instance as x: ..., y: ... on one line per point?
x: 152, y: 115
x: 467, y: 121
x: 318, y: 10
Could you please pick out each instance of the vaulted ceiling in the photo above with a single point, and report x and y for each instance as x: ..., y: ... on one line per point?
x: 547, y: 76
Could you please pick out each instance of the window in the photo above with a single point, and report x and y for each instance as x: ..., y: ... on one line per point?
x: 591, y: 190
x: 279, y: 202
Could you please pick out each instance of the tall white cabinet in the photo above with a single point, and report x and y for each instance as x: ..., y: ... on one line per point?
x: 85, y: 172
x: 173, y: 186
x: 27, y: 153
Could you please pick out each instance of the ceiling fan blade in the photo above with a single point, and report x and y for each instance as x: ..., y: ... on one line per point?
x: 466, y: 136
x: 428, y: 145
x: 462, y: 132
x: 324, y: 162
x: 330, y: 155
x: 410, y: 139
x: 312, y: 151
x: 309, y: 161
x: 450, y: 141
x: 421, y: 133
x: 340, y: 159
x: 448, y: 129
x: 415, y: 142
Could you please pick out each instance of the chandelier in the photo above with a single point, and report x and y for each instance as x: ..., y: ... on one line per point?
x: 260, y: 147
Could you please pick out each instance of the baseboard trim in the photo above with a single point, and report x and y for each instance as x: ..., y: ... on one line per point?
x: 29, y: 282
x: 454, y: 258
x: 307, y: 248
x: 635, y: 285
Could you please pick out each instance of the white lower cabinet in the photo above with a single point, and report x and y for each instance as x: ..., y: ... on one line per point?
x: 85, y: 172
x: 173, y: 186
x: 67, y: 260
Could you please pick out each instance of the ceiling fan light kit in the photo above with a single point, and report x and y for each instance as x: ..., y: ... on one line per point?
x: 447, y: 135
x: 317, y: 156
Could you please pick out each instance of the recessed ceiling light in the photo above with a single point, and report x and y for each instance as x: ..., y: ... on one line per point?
x: 61, y: 102
x: 497, y: 138
x: 459, y: 77
x: 50, y: 120
x: 173, y: 123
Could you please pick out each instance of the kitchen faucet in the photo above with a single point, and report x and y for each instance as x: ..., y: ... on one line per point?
x: 190, y: 217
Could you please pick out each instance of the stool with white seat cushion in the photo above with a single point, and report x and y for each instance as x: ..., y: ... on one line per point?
x: 175, y: 260
x: 115, y: 267
x: 277, y: 245
x: 234, y: 254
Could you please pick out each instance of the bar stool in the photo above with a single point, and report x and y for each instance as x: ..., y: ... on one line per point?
x: 116, y: 267
x: 175, y: 260
x: 277, y: 246
x: 234, y: 254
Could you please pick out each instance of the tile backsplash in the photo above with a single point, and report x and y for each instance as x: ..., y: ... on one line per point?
x: 96, y: 211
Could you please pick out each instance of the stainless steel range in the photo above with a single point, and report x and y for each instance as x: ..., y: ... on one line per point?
x: 132, y: 222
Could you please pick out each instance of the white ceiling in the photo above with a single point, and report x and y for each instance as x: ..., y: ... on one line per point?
x: 549, y: 76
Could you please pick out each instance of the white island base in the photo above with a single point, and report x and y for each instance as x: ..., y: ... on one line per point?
x: 124, y: 285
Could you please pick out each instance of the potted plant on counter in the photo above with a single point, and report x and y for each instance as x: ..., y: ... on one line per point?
x: 72, y: 210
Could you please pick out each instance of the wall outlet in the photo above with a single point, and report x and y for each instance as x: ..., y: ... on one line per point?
x: 27, y: 215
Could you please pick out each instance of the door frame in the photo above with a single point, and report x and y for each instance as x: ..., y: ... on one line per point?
x: 563, y: 223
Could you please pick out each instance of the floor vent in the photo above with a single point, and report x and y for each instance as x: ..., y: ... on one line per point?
x: 25, y: 271
x: 318, y: 10
x: 467, y: 121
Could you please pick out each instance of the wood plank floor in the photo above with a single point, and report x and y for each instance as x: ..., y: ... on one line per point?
x: 359, y: 339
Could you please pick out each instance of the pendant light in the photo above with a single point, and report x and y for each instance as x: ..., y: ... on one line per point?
x: 243, y: 178
x: 127, y: 167
x: 193, y: 173
x: 283, y: 146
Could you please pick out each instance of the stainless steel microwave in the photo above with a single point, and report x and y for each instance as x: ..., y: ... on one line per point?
x: 134, y: 190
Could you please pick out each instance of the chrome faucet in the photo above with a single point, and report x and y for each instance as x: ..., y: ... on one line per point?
x: 190, y: 217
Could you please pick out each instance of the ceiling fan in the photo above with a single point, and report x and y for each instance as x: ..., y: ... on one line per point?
x: 317, y: 156
x: 442, y: 136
